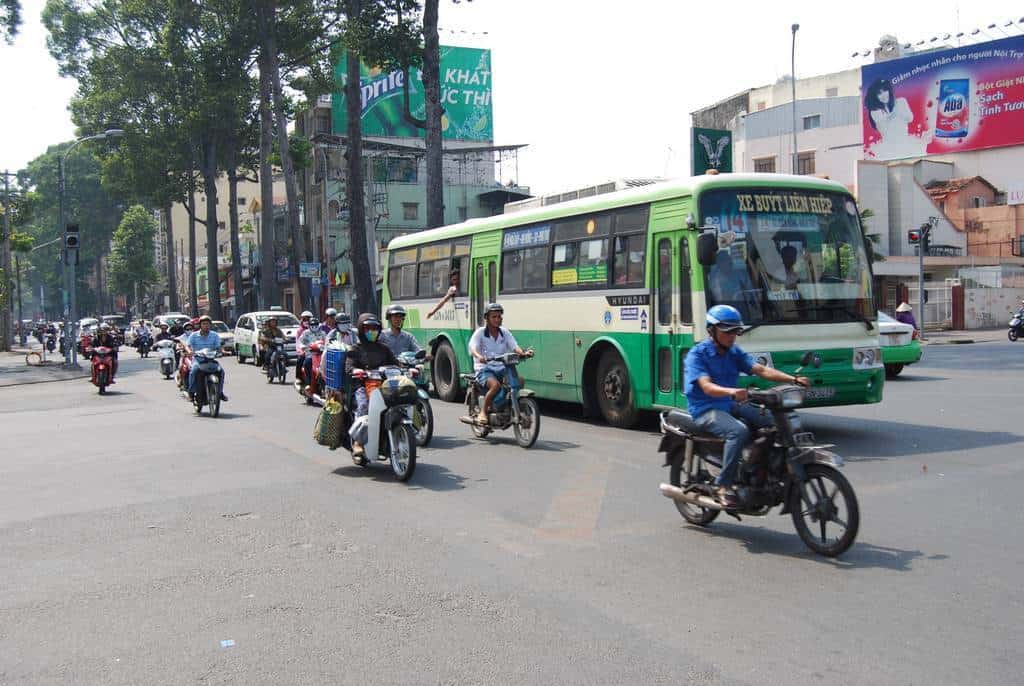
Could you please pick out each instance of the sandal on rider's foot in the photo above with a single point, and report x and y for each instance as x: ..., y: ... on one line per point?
x: 481, y: 418
x: 727, y: 497
x: 357, y: 450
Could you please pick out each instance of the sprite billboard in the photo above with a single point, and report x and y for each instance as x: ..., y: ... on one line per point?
x: 465, y: 96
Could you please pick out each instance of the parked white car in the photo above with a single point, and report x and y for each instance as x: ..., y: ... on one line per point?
x: 227, y: 336
x: 247, y: 334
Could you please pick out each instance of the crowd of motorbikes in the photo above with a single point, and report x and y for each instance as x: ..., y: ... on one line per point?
x: 783, y: 464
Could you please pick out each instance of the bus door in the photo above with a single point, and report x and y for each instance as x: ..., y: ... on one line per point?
x: 485, y: 287
x: 672, y: 315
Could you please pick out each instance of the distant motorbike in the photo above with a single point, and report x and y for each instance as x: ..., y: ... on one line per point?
x: 277, y: 361
x: 513, y: 407
x: 51, y: 341
x: 1016, y: 329
x: 84, y: 345
x: 315, y: 353
x: 165, y: 349
x: 422, y: 413
x: 102, y: 367
x: 386, y: 432
x: 143, y: 343
x: 209, y: 381
x: 783, y: 465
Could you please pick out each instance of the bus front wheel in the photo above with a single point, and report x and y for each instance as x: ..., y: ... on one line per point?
x: 446, y: 373
x: 614, y: 391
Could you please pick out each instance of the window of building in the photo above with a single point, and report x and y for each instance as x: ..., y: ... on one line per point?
x: 805, y: 163
x: 978, y: 201
x: 323, y: 122
x: 395, y: 170
x: 831, y: 92
x: 764, y: 165
x: 410, y: 211
x: 463, y: 213
x: 241, y: 202
x: 812, y: 122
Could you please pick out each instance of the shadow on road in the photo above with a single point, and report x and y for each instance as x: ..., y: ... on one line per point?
x: 910, y: 377
x: 428, y: 476
x: 760, y: 541
x: 446, y: 443
x: 863, y: 439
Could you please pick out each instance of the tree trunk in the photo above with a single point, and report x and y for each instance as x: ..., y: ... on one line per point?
x: 362, y: 276
x: 236, y: 251
x: 208, y: 168
x: 434, y: 110
x: 268, y: 270
x: 267, y: 28
x: 193, y: 307
x: 172, y: 275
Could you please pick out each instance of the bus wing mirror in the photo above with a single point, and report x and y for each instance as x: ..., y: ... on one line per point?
x: 707, y: 248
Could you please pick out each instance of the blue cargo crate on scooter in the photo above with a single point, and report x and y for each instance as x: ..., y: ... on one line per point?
x: 335, y: 369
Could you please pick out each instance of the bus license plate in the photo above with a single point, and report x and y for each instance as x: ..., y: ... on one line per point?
x: 820, y: 393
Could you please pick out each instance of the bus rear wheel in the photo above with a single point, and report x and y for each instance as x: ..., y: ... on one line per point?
x: 614, y: 391
x: 445, y: 368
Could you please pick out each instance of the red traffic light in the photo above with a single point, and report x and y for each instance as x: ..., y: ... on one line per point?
x: 913, y: 236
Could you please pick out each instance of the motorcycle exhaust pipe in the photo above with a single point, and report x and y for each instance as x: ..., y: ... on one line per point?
x: 696, y: 499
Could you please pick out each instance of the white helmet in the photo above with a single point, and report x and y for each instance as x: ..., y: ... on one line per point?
x: 306, y: 313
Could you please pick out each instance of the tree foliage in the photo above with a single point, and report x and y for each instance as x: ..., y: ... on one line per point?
x: 10, y: 19
x: 130, y: 265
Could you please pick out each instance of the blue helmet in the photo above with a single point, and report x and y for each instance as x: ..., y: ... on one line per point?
x: 725, y: 318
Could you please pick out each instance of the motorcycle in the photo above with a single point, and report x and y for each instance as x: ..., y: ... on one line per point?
x: 143, y: 343
x: 783, y: 465
x: 84, y: 345
x: 102, y: 367
x: 1016, y: 329
x: 422, y: 413
x: 386, y: 431
x: 51, y: 341
x: 277, y: 361
x: 208, y: 382
x: 165, y: 349
x: 512, y: 407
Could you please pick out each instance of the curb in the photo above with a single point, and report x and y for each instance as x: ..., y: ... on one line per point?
x: 38, y: 381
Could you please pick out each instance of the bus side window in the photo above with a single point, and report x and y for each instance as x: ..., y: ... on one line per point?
x: 685, y: 292
x: 665, y: 281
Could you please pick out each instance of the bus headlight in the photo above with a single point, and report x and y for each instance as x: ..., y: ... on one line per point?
x: 867, y: 358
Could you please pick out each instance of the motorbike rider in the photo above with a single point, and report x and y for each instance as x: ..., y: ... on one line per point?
x: 163, y: 334
x: 399, y: 341
x: 337, y: 325
x: 140, y: 331
x: 106, y: 338
x: 490, y: 340
x: 308, y: 337
x: 200, y: 340
x: 717, y: 405
x: 367, y: 353
x: 268, y: 333
x: 300, y: 350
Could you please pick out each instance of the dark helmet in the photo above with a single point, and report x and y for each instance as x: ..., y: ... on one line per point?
x: 368, y: 321
x: 342, y: 319
x: 725, y: 318
x: 395, y: 309
x: 494, y: 307
x: 314, y: 322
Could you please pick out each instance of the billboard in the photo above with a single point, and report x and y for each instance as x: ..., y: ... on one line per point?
x: 710, y: 149
x: 946, y: 101
x: 465, y: 96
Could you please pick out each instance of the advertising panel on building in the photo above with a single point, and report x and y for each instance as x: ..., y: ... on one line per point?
x: 710, y: 149
x: 946, y: 101
x: 465, y: 96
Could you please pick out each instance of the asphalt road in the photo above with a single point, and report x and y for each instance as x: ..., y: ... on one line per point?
x: 136, y: 539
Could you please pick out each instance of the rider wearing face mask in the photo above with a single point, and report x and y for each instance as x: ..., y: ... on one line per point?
x: 368, y: 353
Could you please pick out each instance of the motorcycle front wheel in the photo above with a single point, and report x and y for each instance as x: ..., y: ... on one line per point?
x: 402, y: 448
x: 1012, y: 335
x: 423, y: 420
x: 694, y: 514
x: 528, y: 427
x: 213, y: 397
x: 815, y: 508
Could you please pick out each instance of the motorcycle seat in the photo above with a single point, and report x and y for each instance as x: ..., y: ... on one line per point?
x: 684, y: 422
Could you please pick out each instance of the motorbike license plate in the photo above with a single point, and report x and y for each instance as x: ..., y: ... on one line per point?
x: 820, y: 393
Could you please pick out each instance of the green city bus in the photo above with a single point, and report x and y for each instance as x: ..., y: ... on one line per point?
x: 611, y: 290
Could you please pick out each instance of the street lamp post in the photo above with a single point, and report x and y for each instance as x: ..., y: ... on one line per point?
x: 71, y: 309
x: 792, y: 68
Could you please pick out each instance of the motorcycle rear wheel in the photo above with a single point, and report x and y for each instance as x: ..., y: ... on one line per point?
x: 1012, y: 335
x: 811, y: 504
x: 402, y: 449
x: 101, y: 381
x: 694, y: 514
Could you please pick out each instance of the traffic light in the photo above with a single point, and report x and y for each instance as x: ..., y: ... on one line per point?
x: 913, y: 236
x: 71, y: 240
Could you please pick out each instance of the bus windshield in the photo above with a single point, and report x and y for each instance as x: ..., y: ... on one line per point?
x: 787, y: 256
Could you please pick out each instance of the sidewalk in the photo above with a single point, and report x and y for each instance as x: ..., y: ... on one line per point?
x: 14, y: 371
x: 972, y: 336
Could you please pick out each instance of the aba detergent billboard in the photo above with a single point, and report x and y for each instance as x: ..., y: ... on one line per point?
x: 465, y: 96
x: 945, y: 101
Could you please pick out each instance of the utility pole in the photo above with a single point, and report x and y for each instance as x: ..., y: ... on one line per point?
x: 792, y: 60
x: 6, y: 330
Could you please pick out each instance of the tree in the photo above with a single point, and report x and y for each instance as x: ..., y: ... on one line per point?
x: 874, y: 238
x: 10, y: 19
x: 131, y: 257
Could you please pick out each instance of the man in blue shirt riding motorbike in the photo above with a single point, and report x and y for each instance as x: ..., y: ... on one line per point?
x: 201, y: 340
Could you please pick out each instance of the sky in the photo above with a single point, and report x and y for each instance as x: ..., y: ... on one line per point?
x: 598, y: 90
